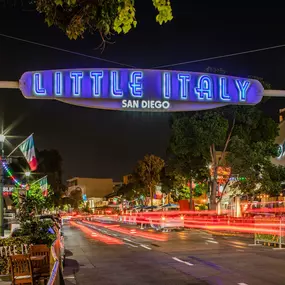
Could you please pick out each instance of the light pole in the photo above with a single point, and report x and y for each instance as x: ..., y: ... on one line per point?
x: 2, y: 140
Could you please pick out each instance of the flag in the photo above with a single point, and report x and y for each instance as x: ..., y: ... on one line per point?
x: 43, y: 185
x: 27, y: 147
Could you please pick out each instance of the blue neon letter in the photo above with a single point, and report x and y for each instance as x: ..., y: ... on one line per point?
x: 37, y: 85
x: 115, y: 88
x: 135, y: 84
x: 204, y: 88
x: 184, y: 85
x: 76, y: 77
x: 166, y: 85
x: 58, y: 83
x: 96, y: 86
x: 224, y: 90
x: 242, y: 88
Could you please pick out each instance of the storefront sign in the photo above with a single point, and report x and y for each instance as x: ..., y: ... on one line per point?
x: 140, y: 90
x: 8, y: 190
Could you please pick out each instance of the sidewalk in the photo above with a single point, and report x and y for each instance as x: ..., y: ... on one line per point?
x: 75, y: 257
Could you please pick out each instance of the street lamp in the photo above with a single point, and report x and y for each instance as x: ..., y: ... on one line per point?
x: 28, y: 173
x: 2, y: 140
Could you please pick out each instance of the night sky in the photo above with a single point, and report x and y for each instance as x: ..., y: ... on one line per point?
x: 96, y: 143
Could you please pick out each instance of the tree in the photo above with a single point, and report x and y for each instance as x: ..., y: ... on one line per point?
x: 50, y: 164
x: 32, y: 202
x: 106, y: 17
x: 241, y: 137
x: 132, y: 191
x: 251, y: 160
x: 75, y: 198
x: 148, y: 172
x: 194, y: 142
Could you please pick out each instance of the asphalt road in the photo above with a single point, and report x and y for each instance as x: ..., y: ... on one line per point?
x: 124, y: 256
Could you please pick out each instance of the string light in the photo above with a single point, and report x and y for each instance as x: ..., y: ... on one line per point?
x: 12, y: 177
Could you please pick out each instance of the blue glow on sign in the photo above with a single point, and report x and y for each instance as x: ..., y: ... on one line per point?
x: 135, y: 84
x: 96, y: 76
x: 242, y: 86
x: 223, y: 89
x: 115, y: 89
x: 37, y: 85
x: 184, y: 85
x: 147, y: 90
x: 166, y: 85
x: 204, y: 88
x: 58, y: 83
x: 76, y: 77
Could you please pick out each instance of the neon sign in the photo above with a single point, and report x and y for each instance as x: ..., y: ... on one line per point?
x: 140, y: 90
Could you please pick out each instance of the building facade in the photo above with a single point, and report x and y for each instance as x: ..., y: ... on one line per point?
x: 93, y: 189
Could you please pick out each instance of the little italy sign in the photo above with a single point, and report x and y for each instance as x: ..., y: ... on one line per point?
x: 140, y: 90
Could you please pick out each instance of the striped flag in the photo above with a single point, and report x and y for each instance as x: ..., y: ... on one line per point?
x: 43, y: 185
x: 27, y: 147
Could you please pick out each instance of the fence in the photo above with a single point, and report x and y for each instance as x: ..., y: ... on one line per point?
x: 56, y: 276
x: 270, y: 231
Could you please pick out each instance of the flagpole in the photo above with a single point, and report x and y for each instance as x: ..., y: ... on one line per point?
x: 19, y: 145
x: 39, y: 179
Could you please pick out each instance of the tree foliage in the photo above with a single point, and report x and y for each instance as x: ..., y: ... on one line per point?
x: 148, y: 172
x: 31, y: 202
x: 50, y: 163
x: 243, y: 135
x: 30, y: 205
x: 106, y: 17
x: 75, y: 198
x: 134, y: 190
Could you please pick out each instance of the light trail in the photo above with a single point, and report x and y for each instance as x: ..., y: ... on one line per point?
x: 152, y: 236
x: 96, y: 235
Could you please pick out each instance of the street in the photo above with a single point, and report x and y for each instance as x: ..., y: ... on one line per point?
x: 119, y: 254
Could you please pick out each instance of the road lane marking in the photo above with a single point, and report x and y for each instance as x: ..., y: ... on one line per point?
x: 131, y: 244
x: 142, y: 245
x: 242, y: 284
x: 212, y: 241
x: 129, y: 240
x: 185, y: 262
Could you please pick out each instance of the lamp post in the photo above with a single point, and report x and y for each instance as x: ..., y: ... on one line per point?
x: 2, y: 140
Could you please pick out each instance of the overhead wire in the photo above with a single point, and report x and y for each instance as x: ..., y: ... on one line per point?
x: 67, y: 51
x: 131, y: 66
x: 220, y: 56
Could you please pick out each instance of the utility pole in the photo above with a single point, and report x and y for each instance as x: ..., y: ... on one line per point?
x: 2, y: 139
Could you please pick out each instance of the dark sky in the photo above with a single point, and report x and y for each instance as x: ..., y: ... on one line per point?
x: 95, y: 143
